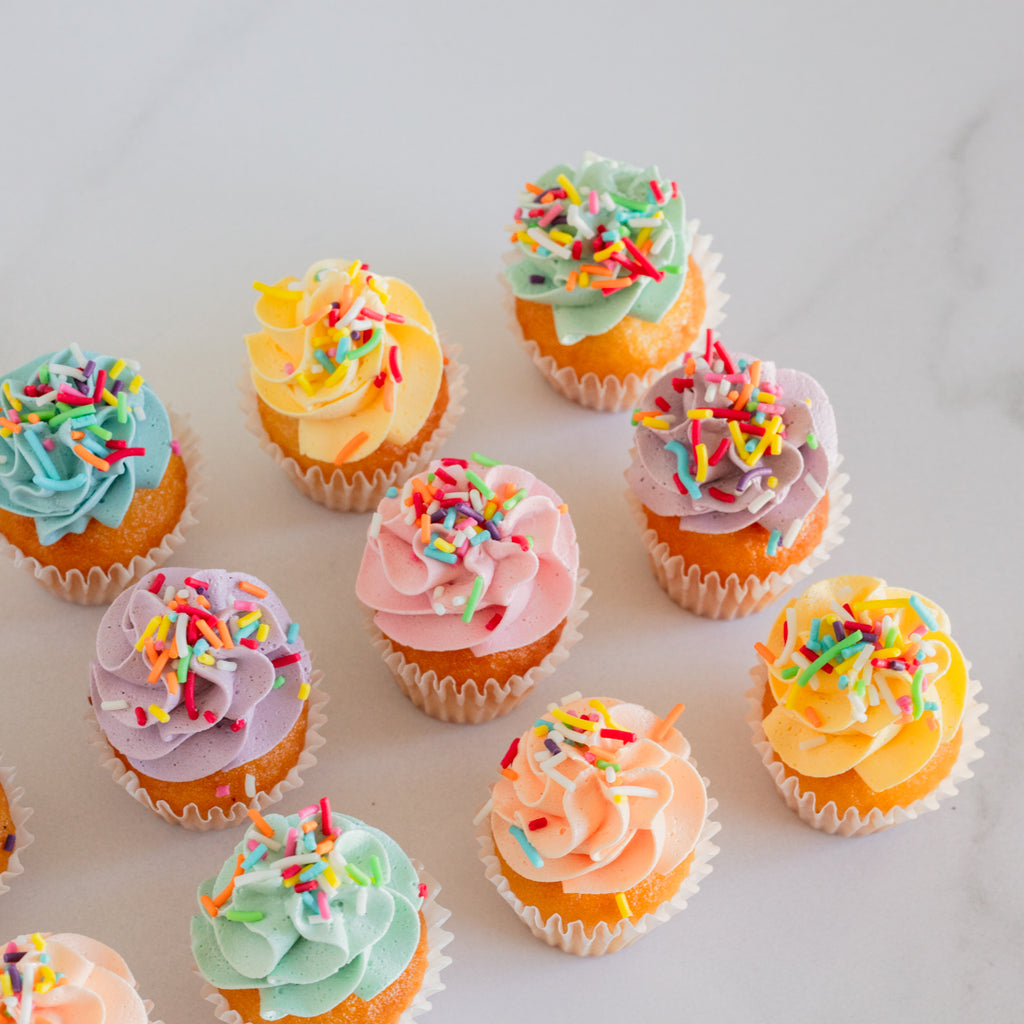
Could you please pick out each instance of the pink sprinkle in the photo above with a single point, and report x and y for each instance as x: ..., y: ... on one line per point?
x: 223, y: 791
x: 550, y: 214
x: 308, y: 811
x: 592, y: 201
x: 246, y: 606
x: 395, y: 318
x: 252, y: 844
x: 289, y: 367
x: 49, y: 444
x: 321, y: 902
x: 290, y: 841
x: 175, y: 447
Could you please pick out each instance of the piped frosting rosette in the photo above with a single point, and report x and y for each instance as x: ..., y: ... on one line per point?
x: 865, y: 679
x: 599, y: 796
x: 68, y: 979
x: 307, y: 947
x: 198, y: 671
x: 479, y: 556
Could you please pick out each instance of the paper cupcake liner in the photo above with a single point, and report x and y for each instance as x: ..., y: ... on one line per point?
x: 570, y: 936
x: 438, y: 937
x: 99, y: 587
x: 473, y: 704
x: 735, y: 598
x: 19, y: 815
x: 853, y: 823
x: 360, y: 494
x: 613, y: 394
x: 217, y: 818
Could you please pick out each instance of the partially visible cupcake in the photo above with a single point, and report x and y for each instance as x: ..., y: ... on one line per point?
x: 353, y: 392
x: 321, y: 918
x: 14, y: 835
x: 205, y: 696
x: 863, y: 708
x: 96, y: 480
x: 734, y: 478
x: 66, y: 977
x: 597, y: 829
x: 472, y: 573
x: 611, y: 284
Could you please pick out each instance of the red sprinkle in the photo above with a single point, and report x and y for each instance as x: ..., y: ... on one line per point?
x: 140, y: 716
x: 723, y: 447
x: 210, y: 717
x: 286, y: 659
x: 662, y: 404
x: 446, y: 477
x: 537, y: 823
x: 395, y: 318
x: 191, y: 581
x: 682, y: 383
x: 158, y: 582
x: 618, y: 734
x: 423, y: 890
x: 455, y: 462
x: 238, y: 725
x: 250, y: 643
x: 721, y: 495
x: 510, y: 754
x: 519, y: 539
x: 494, y: 620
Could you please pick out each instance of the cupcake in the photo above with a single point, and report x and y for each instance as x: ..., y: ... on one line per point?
x: 96, y: 480
x: 862, y: 707
x: 733, y: 478
x: 67, y: 977
x: 597, y: 829
x: 353, y: 393
x: 320, y: 917
x: 472, y: 573
x: 204, y: 695
x: 611, y: 285
x: 14, y: 836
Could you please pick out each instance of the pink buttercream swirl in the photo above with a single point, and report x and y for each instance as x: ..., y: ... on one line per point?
x: 501, y: 567
x: 70, y: 979
x: 230, y: 707
x: 598, y: 829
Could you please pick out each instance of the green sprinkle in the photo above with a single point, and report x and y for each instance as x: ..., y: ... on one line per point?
x: 357, y: 353
x: 479, y: 484
x: 43, y: 373
x: 278, y: 682
x: 848, y: 641
x: 183, y: 662
x: 672, y: 268
x: 515, y: 499
x: 607, y: 764
x: 72, y: 412
x: 890, y: 637
x: 357, y: 876
x: 788, y: 673
x: 244, y: 915
x: 915, y: 693
x: 474, y: 597
x: 482, y: 460
x: 103, y: 435
x: 629, y: 204
x: 812, y: 441
x: 122, y: 407
x: 375, y: 869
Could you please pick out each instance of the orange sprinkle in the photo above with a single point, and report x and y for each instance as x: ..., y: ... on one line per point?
x: 222, y: 628
x: 388, y: 398
x: 324, y: 846
x: 755, y: 372
x: 765, y: 653
x: 317, y: 314
x: 225, y: 894
x: 425, y: 528
x: 260, y: 822
x: 690, y: 366
x: 7, y: 424
x: 204, y: 627
x: 171, y: 679
x: 594, y: 268
x: 813, y: 717
x: 158, y: 666
x: 535, y: 189
x: 617, y: 282
x: 87, y: 456
x: 308, y: 826
x: 349, y: 448
x: 77, y: 435
x: 563, y: 508
x: 570, y: 283
x: 743, y: 395
x: 151, y: 651
x: 510, y: 774
x: 251, y: 588
x: 666, y: 723
x: 645, y: 246
x: 208, y: 905
x: 202, y: 602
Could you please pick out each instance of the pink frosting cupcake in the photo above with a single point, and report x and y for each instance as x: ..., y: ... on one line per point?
x: 473, y: 578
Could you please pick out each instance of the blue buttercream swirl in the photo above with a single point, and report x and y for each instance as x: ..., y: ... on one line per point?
x: 46, y: 471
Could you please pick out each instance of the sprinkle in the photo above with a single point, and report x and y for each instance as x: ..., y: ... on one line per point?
x: 286, y: 659
x: 773, y: 543
x: 260, y: 822
x: 923, y: 612
x: 244, y: 915
x: 623, y: 904
x: 814, y: 741
x: 813, y: 717
x: 158, y: 713
x: 618, y: 734
x: 532, y: 855
x: 349, y: 448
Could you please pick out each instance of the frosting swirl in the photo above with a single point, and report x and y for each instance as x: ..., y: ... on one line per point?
x: 67, y: 979
x: 307, y: 948
x: 730, y: 441
x: 599, y: 243
x: 493, y: 559
x: 599, y: 799
x: 352, y: 356
x: 197, y: 670
x: 866, y: 677
x: 79, y: 432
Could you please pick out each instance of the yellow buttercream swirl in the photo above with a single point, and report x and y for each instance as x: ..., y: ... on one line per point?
x: 896, y: 689
x: 352, y: 355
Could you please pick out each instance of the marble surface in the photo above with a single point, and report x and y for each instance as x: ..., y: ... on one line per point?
x: 859, y: 170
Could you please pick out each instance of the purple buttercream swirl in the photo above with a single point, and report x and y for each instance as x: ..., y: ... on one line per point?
x: 777, y: 490
x: 232, y: 711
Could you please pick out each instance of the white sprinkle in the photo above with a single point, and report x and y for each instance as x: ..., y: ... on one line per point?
x: 113, y: 705
x: 761, y: 500
x: 352, y: 312
x: 709, y: 394
x: 250, y: 788
x: 483, y: 812
x: 791, y: 533
x: 375, y: 522
x: 476, y: 499
x: 542, y: 238
x: 77, y: 352
x: 226, y: 666
x: 458, y: 601
x: 857, y: 705
x: 790, y: 637
x: 541, y: 755
x: 557, y: 776
x: 810, y: 744
x: 168, y: 593
x: 606, y: 201
x: 609, y: 775
x: 646, y: 222
x: 571, y: 697
x: 818, y: 491
x: 659, y: 241
x: 882, y: 685
x: 633, y: 791
x: 248, y: 877
x: 724, y: 387
x: 60, y: 370
x: 300, y: 860
x: 361, y: 898
x: 439, y: 609
x: 577, y: 221
x: 872, y: 692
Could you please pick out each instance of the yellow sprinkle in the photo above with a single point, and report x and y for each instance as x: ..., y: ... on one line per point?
x: 703, y: 414
x: 762, y: 446
x: 304, y: 383
x: 158, y: 713
x: 249, y: 617
x: 109, y: 398
x: 773, y: 481
x: 790, y: 699
x: 136, y: 383
x: 541, y: 730
x: 604, y: 713
x: 623, y: 904
x: 737, y: 438
x: 617, y: 798
x: 444, y: 545
x: 115, y: 371
x: 5, y: 985
x: 284, y: 294
x: 290, y: 881
x: 525, y: 238
x: 338, y: 375
x: 206, y: 659
x: 888, y: 652
x: 882, y: 602
x: 330, y: 877
x: 354, y: 268
x: 562, y: 237
x: 147, y: 632
x: 654, y: 422
x: 263, y: 632
x: 372, y: 282
x: 766, y: 397
x: 570, y: 189
x: 165, y: 625
x: 14, y: 401
x: 490, y: 509
x: 702, y: 462
x: 642, y: 237
x: 584, y: 279
x: 303, y: 691
x: 607, y: 251
x: 576, y: 723
x: 37, y: 940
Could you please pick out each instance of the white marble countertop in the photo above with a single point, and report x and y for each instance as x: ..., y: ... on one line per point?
x: 860, y: 172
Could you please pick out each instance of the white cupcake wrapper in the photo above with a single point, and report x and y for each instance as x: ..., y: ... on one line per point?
x: 19, y: 815
x: 614, y: 394
x: 735, y: 598
x: 853, y: 823
x: 474, y: 703
x: 359, y: 494
x: 438, y: 937
x: 99, y: 587
x: 570, y: 936
x: 191, y: 818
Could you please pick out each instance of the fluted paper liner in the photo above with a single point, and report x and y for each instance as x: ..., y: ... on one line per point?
x: 438, y: 937
x: 570, y: 936
x: 614, y: 394
x: 360, y: 494
x: 19, y: 815
x: 852, y: 822
x: 217, y: 818
x: 735, y: 598
x: 99, y: 587
x: 475, y: 702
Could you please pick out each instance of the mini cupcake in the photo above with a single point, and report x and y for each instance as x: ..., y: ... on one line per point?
x: 611, y: 284
x: 734, y: 480
x: 320, y: 917
x: 473, y: 577
x: 863, y: 708
x: 14, y: 836
x: 204, y: 695
x: 68, y: 977
x: 353, y: 393
x: 598, y: 829
x: 96, y: 480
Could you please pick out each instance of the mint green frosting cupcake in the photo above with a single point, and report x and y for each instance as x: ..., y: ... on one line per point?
x: 558, y: 234
x: 308, y: 947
